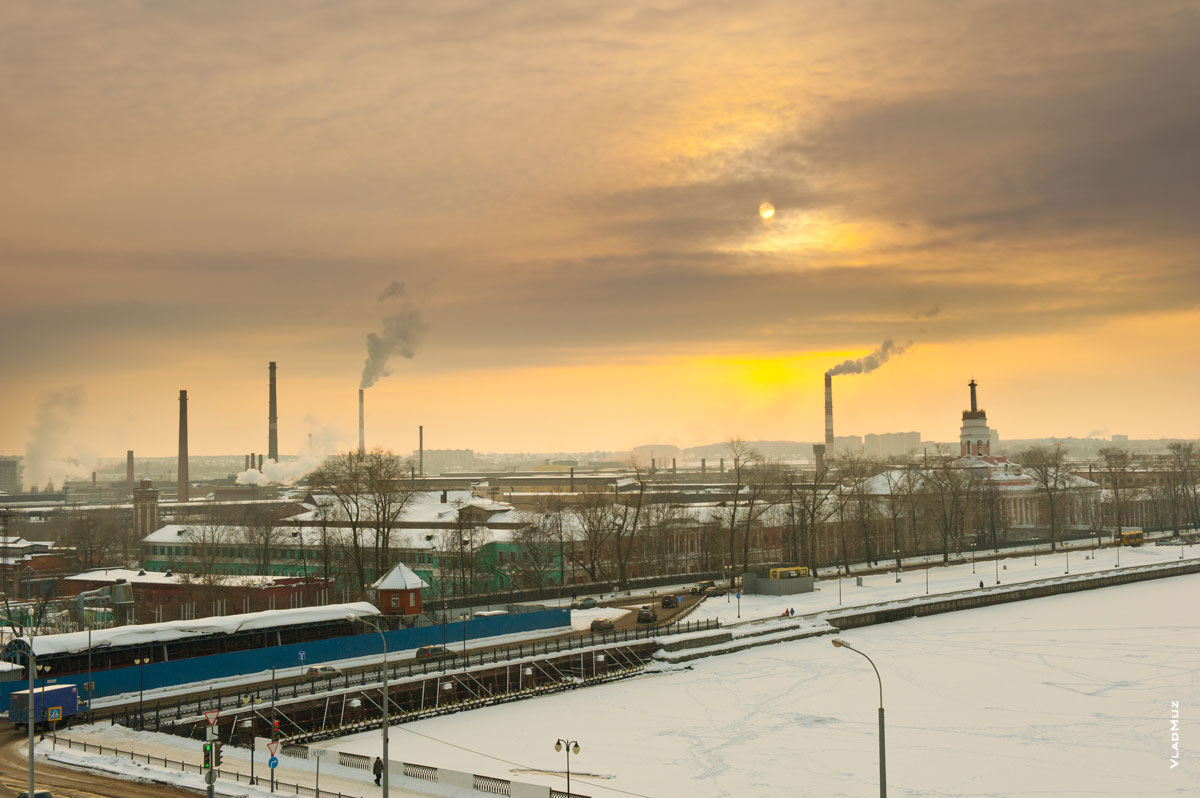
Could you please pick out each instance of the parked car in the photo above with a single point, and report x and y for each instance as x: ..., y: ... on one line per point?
x: 670, y: 602
x: 322, y: 672
x: 435, y: 652
x: 703, y: 587
x: 603, y: 625
x: 647, y: 615
x: 585, y: 603
x: 38, y: 794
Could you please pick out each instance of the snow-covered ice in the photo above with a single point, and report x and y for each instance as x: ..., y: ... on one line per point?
x: 1069, y: 695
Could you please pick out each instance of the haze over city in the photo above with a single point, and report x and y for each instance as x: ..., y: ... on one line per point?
x: 569, y: 200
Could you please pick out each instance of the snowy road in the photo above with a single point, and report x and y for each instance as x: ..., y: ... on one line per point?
x: 1069, y: 695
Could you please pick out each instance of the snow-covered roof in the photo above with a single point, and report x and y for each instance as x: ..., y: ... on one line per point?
x: 400, y: 578
x: 168, y: 578
x: 148, y: 633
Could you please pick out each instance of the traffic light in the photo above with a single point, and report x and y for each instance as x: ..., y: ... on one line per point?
x: 208, y: 755
x: 275, y: 731
x: 216, y: 754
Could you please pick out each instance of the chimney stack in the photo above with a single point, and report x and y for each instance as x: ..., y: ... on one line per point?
x: 572, y: 485
x: 362, y: 444
x: 829, y: 414
x: 260, y: 462
x: 273, y: 421
x: 93, y: 479
x: 254, y: 460
x: 703, y: 468
x: 421, y: 450
x: 247, y: 468
x: 129, y: 469
x: 182, y: 490
x: 819, y: 454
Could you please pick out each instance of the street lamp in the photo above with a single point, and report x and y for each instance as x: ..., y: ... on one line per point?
x: 572, y: 747
x: 304, y: 560
x: 141, y: 662
x: 997, y: 566
x: 1035, y: 542
x: 896, y: 554
x: 384, y: 728
x: 839, y: 643
x: 972, y: 558
x: 1067, y: 552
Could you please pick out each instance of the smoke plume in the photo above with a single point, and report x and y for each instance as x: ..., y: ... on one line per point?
x: 288, y: 470
x: 886, y: 351
x: 57, y: 411
x: 403, y: 332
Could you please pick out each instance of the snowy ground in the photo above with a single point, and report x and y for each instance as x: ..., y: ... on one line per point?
x: 582, y: 619
x: 942, y: 579
x: 1069, y: 695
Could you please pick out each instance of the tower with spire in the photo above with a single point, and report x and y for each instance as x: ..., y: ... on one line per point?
x: 974, y: 437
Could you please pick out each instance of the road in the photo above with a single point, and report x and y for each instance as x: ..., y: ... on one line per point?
x: 68, y: 782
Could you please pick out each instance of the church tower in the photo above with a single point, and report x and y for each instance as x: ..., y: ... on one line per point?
x: 975, y: 437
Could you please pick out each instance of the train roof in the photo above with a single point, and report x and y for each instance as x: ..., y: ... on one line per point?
x: 148, y: 633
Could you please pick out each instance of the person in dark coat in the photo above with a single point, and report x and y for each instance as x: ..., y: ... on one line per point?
x: 377, y: 769
x: 981, y: 584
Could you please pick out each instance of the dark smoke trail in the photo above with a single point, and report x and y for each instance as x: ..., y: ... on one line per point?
x: 886, y: 351
x: 403, y: 332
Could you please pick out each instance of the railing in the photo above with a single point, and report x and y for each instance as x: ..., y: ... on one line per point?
x: 424, y: 772
x: 161, y: 712
x: 492, y: 786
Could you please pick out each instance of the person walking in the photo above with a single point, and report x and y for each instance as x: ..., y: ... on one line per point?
x: 377, y: 769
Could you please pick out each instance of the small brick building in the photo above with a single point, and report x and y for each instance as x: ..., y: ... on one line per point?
x: 398, y: 592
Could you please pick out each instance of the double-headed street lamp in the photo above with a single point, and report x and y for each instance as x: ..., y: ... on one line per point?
x: 141, y: 663
x: 384, y: 728
x: 839, y: 643
x: 572, y: 747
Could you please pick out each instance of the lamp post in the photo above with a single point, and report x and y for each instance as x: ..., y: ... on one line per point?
x: 997, y: 566
x: 1067, y: 552
x: 141, y: 663
x: 839, y: 643
x: 31, y: 666
x: 384, y: 728
x: 304, y: 560
x: 896, y: 554
x: 572, y: 746
x: 1035, y: 542
x: 926, y: 579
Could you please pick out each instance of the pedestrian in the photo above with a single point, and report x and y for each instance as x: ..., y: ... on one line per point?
x: 377, y: 769
x: 792, y: 611
x: 981, y: 584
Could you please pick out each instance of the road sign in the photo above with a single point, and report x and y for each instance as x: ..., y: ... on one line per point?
x: 739, y: 595
x: 54, y: 713
x: 210, y: 777
x: 210, y: 733
x: 300, y: 654
x: 272, y: 747
x: 273, y: 762
x: 318, y: 752
x: 210, y: 715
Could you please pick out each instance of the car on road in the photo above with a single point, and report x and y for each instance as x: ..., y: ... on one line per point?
x: 704, y: 587
x: 669, y: 602
x: 585, y: 603
x: 603, y: 625
x: 647, y: 615
x: 322, y: 672
x: 435, y: 652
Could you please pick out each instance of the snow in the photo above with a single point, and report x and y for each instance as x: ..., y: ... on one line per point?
x: 400, y: 578
x: 74, y: 642
x: 942, y: 579
x: 1064, y: 695
x: 582, y: 619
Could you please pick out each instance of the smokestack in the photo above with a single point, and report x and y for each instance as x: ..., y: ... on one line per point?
x: 974, y: 404
x: 829, y: 414
x: 722, y: 465
x: 93, y: 479
x: 247, y: 468
x: 253, y: 459
x: 362, y: 444
x: 673, y: 471
x: 182, y: 490
x: 129, y: 469
x: 819, y: 455
x: 260, y: 462
x: 421, y: 449
x: 572, y: 487
x: 703, y: 469
x: 273, y: 421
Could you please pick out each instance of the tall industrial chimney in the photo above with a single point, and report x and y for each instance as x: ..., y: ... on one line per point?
x: 182, y: 491
x: 829, y: 414
x: 129, y: 469
x: 247, y: 468
x: 260, y: 462
x: 421, y: 450
x: 362, y: 442
x: 819, y: 456
x: 273, y: 422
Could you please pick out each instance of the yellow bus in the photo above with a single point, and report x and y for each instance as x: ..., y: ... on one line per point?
x: 790, y: 572
x: 1129, y: 537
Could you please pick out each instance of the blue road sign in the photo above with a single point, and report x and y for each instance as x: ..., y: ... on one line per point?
x: 300, y: 654
x: 273, y: 762
x: 54, y: 713
x: 739, y: 595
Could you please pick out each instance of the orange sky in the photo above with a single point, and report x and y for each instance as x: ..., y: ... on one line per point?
x: 570, y: 200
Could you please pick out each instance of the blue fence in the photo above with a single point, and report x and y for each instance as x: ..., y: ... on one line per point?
x: 289, y: 659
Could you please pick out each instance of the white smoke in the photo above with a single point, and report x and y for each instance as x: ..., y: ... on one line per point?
x: 403, y: 332
x: 288, y: 472
x: 46, y: 455
x: 886, y: 351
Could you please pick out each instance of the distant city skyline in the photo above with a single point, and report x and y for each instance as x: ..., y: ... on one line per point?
x: 586, y: 228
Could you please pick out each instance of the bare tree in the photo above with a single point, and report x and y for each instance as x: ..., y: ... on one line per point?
x: 1116, y: 462
x: 1185, y: 481
x: 343, y: 476
x: 743, y: 457
x: 947, y: 493
x: 388, y: 495
x: 1047, y: 466
x: 261, y: 538
x: 536, y: 553
x: 208, y: 541
x: 594, y: 516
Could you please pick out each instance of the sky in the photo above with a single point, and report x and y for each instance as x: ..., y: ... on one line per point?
x: 555, y: 209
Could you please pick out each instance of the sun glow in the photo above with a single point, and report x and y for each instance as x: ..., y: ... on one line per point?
x: 766, y: 210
